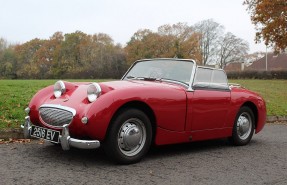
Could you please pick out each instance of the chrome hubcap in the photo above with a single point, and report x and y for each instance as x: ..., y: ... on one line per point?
x: 132, y: 137
x: 244, y: 126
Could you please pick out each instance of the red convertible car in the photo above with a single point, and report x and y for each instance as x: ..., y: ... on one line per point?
x: 157, y: 101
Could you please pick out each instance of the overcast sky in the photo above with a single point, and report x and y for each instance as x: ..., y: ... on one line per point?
x: 23, y: 20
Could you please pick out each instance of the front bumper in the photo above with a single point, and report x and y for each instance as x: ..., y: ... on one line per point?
x: 65, y: 140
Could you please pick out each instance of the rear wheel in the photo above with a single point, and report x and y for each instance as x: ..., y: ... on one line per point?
x: 129, y: 136
x: 243, y: 128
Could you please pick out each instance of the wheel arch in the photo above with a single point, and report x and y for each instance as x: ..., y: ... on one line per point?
x: 254, y: 109
x: 141, y: 106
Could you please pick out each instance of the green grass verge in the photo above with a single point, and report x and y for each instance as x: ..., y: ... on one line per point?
x: 16, y: 94
x: 274, y: 93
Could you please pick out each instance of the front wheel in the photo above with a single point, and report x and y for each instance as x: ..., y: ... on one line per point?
x: 243, y: 128
x: 129, y: 136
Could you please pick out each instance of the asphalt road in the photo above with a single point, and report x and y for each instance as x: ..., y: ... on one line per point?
x: 263, y: 161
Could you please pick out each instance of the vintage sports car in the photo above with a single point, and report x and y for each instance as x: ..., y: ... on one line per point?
x: 157, y: 101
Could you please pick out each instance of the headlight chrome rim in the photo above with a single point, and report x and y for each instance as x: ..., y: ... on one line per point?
x: 59, y: 88
x: 94, y: 91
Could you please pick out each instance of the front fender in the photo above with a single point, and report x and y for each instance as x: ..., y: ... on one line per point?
x: 169, y: 107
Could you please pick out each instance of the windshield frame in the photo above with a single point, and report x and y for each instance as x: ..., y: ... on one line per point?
x: 188, y: 86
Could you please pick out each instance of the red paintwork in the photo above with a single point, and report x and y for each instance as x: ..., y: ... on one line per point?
x: 180, y: 116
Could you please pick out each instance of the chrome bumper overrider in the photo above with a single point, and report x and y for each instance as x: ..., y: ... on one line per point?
x: 65, y: 140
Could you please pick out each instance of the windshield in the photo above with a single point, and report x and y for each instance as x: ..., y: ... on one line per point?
x: 175, y: 70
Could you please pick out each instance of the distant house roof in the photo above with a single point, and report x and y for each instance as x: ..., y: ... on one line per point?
x: 232, y: 67
x: 274, y: 62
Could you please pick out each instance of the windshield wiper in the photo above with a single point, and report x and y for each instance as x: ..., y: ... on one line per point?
x: 130, y: 77
x: 156, y: 79
x: 150, y: 79
x: 142, y: 78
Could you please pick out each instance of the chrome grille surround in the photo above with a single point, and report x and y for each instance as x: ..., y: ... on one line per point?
x: 56, y: 115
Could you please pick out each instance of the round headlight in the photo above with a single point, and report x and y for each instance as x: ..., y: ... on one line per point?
x: 59, y: 88
x: 94, y: 91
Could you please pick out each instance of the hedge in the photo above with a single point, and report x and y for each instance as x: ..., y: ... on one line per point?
x: 282, y: 74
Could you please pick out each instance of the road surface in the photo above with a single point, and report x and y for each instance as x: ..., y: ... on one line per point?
x: 263, y: 161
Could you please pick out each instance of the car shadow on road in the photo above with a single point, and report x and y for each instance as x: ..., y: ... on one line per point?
x: 187, y: 148
x: 199, y: 147
x: 98, y: 158
x: 75, y: 155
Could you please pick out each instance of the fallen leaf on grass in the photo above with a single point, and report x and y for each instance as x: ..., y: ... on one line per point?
x: 41, y: 141
x: 22, y: 141
x: 2, y: 141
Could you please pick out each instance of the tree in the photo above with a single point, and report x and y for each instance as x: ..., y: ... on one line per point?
x: 270, y: 20
x: 177, y: 40
x: 69, y: 60
x: 184, y: 38
x: 137, y: 47
x: 7, y: 60
x: 8, y: 63
x: 3, y: 44
x: 231, y: 49
x: 73, y: 55
x: 47, y: 55
x: 27, y: 64
x: 106, y: 59
x: 210, y: 32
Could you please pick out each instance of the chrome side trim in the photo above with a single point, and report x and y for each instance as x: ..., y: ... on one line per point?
x: 174, y: 81
x: 192, y: 77
x: 231, y: 85
x: 73, y: 111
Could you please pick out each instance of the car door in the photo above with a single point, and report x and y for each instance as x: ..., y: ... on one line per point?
x: 209, y: 102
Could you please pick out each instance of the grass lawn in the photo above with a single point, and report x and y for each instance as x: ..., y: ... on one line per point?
x: 16, y: 94
x: 274, y: 93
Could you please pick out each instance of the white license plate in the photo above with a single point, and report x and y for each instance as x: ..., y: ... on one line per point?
x: 44, y: 133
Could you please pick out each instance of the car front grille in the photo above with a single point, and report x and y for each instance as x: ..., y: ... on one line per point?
x: 56, y: 115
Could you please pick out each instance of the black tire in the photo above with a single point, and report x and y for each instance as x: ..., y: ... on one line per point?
x: 129, y: 136
x: 243, y: 127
